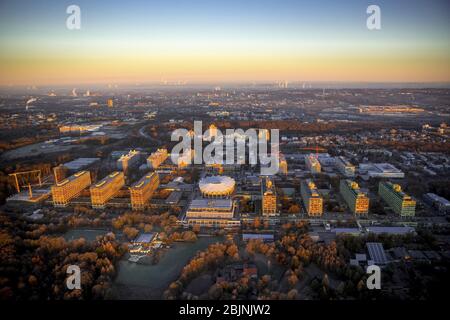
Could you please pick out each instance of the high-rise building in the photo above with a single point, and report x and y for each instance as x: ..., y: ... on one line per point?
x: 128, y: 160
x: 107, y: 188
x: 357, y: 201
x: 64, y: 191
x: 311, y: 198
x: 156, y: 158
x: 400, y: 202
x: 142, y: 191
x: 312, y: 163
x: 345, y: 167
x: 269, y: 198
x: 283, y: 167
x: 110, y: 103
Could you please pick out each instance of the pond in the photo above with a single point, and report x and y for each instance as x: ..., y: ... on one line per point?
x: 143, y: 281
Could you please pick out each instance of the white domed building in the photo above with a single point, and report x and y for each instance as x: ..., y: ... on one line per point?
x: 217, y: 186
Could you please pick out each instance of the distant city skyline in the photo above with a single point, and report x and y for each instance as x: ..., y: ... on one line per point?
x: 223, y: 41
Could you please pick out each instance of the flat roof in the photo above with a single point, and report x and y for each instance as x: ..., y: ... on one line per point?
x: 211, y: 203
x: 71, y: 178
x: 144, y: 180
x: 110, y: 177
x: 80, y: 163
x: 264, y: 236
x: 145, y: 237
x: 376, y: 252
x: 391, y: 230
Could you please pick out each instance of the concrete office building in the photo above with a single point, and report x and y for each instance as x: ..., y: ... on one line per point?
x: 106, y: 188
x: 156, y: 158
x: 283, y: 167
x: 269, y: 198
x: 400, y: 202
x: 311, y: 198
x: 212, y: 213
x: 345, y: 167
x: 312, y: 163
x: 69, y: 188
x: 357, y: 201
x: 129, y: 160
x: 142, y: 191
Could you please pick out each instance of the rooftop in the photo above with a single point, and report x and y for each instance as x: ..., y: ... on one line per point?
x: 144, y: 180
x: 212, y: 204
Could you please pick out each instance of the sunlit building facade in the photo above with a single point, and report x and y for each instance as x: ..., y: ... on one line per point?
x: 312, y: 163
x: 311, y: 198
x: 107, y: 188
x: 128, y: 160
x: 156, y: 158
x: 400, y: 202
x: 357, y: 201
x: 69, y: 188
x: 269, y: 198
x: 212, y: 213
x: 142, y: 191
x: 283, y: 166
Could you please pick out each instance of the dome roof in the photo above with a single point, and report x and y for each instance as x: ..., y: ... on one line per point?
x: 217, y: 185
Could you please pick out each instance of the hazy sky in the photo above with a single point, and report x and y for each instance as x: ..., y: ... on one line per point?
x: 223, y: 41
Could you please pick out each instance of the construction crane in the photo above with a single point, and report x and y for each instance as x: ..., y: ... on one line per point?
x: 23, y: 178
x: 316, y: 149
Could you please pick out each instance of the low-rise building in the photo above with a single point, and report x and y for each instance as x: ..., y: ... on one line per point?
x: 440, y: 203
x: 345, y: 167
x: 212, y: 213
